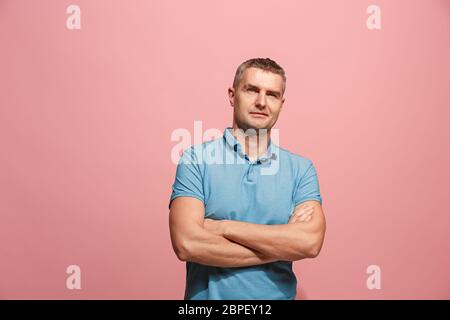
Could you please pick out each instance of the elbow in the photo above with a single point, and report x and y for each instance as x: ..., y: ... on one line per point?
x: 311, y: 248
x: 313, y: 252
x: 181, y: 250
x: 315, y: 247
x: 181, y: 255
x: 308, y: 253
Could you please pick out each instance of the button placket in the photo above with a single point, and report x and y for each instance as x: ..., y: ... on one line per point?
x: 250, y: 171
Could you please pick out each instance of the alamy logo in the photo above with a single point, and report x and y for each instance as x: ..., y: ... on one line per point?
x: 374, y: 20
x: 74, y: 20
x: 374, y: 280
x: 74, y: 280
x: 216, y: 153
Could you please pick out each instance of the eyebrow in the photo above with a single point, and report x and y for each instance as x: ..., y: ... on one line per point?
x: 252, y: 86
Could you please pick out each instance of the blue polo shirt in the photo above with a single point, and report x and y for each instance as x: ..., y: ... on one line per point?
x: 233, y: 187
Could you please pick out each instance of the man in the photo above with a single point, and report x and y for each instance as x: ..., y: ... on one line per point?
x: 238, y: 229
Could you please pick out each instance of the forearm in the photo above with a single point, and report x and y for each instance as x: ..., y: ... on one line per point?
x: 214, y: 250
x: 285, y: 242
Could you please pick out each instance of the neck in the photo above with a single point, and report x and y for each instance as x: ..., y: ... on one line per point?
x: 255, y: 143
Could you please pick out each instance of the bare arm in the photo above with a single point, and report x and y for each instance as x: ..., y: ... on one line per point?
x: 289, y: 242
x: 192, y: 242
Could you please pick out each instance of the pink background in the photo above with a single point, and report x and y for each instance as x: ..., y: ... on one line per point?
x: 86, y: 118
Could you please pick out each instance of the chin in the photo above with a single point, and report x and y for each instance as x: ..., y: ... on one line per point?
x: 259, y: 126
x: 255, y: 124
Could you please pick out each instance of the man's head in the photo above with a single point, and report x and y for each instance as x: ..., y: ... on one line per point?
x: 257, y: 95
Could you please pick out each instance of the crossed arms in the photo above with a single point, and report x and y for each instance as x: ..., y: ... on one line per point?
x: 228, y: 243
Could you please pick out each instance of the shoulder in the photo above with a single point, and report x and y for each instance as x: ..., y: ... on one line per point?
x: 195, y: 154
x: 299, y: 162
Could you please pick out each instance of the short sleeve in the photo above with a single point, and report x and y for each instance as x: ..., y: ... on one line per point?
x: 308, y: 186
x: 188, y: 179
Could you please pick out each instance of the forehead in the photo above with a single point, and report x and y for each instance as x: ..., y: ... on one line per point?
x: 263, y: 79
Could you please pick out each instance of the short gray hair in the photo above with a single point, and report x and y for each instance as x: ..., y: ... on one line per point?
x: 265, y: 64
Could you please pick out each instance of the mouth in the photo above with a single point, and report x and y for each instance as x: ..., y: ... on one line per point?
x: 259, y: 114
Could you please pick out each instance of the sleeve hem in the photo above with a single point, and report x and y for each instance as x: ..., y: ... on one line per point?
x: 186, y: 195
x: 306, y: 199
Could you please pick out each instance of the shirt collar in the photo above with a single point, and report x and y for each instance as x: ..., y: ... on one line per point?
x: 234, y: 144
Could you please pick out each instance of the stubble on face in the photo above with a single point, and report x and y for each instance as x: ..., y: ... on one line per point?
x: 257, y: 103
x: 258, y: 100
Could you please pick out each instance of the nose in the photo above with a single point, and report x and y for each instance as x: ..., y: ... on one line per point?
x: 261, y: 100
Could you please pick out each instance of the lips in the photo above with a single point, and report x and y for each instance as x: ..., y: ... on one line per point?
x: 261, y: 114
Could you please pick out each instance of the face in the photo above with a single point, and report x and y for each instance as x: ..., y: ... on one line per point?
x: 258, y: 100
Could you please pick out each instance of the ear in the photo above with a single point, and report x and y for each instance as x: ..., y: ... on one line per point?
x: 231, y: 94
x: 282, y: 103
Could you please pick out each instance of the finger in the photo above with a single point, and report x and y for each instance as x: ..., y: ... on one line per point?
x: 308, y: 218
x: 300, y: 213
x: 305, y: 213
x: 294, y: 218
x: 307, y: 209
x: 301, y: 217
x: 304, y: 216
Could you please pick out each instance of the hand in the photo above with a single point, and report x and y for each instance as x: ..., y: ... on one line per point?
x: 214, y: 226
x: 303, y: 214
